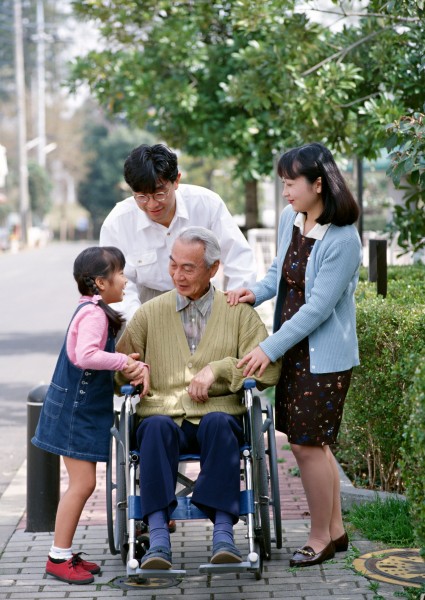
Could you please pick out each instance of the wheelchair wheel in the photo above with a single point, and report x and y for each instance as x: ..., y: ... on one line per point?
x: 116, y: 495
x: 261, y: 481
x: 274, y: 479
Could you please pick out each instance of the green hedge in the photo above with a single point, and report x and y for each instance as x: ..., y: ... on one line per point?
x: 413, y: 452
x: 391, y: 335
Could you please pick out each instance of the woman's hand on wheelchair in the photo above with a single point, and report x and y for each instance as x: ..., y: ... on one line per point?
x: 255, y: 361
x: 200, y: 384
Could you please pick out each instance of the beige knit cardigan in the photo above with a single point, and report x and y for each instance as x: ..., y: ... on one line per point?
x: 156, y: 333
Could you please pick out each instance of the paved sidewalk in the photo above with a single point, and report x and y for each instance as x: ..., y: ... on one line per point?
x: 24, y: 555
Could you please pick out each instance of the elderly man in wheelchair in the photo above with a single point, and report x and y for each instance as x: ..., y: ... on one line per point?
x: 191, y: 398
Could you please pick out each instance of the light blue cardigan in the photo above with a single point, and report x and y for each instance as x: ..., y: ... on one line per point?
x: 328, y: 316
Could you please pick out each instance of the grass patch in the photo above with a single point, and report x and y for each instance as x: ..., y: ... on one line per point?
x: 386, y: 521
x: 294, y: 472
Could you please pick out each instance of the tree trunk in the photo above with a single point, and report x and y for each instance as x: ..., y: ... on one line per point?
x: 251, y: 204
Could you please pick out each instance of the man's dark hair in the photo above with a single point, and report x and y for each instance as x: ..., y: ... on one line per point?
x: 147, y: 167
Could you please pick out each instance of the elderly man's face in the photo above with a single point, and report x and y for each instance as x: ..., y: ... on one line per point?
x: 188, y: 270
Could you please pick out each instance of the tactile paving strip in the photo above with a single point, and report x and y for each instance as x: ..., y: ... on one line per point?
x: 399, y: 566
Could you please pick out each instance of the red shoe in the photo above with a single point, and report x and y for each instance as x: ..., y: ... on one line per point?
x: 68, y: 571
x: 91, y: 567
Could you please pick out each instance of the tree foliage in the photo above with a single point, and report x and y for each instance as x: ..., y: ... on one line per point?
x: 107, y: 149
x: 40, y: 190
x: 245, y: 79
x: 407, y: 170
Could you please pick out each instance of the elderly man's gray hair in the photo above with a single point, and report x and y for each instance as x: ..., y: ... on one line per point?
x: 191, y: 235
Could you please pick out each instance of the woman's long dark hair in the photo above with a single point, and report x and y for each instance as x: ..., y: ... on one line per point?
x: 313, y: 161
x: 94, y: 262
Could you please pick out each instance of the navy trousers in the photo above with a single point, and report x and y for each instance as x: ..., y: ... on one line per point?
x: 216, y: 439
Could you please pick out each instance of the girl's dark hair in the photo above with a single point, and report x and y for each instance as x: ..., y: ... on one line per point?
x: 94, y: 262
x: 313, y: 161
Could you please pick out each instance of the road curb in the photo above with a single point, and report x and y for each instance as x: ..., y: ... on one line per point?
x: 12, y: 506
x: 351, y: 495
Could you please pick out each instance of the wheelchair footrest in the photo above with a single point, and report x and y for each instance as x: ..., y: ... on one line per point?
x: 245, y: 566
x: 155, y: 573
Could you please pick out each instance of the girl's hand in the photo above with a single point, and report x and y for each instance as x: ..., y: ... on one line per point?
x: 255, y: 360
x: 240, y: 295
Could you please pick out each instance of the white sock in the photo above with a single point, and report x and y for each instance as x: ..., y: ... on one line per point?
x: 60, y: 553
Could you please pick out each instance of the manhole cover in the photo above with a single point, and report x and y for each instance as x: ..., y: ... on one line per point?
x: 131, y: 583
x: 400, y: 566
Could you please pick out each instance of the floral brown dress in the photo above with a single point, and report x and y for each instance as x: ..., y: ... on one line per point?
x: 308, y: 406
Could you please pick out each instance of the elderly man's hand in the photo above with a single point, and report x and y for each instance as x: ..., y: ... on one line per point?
x: 200, y: 384
x: 137, y: 373
x: 144, y: 380
x: 133, y: 367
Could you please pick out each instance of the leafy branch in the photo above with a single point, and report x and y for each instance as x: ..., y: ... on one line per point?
x: 407, y: 170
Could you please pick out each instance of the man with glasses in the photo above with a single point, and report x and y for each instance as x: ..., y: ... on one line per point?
x: 145, y: 226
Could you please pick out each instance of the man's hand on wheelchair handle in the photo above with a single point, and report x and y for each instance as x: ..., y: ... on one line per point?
x: 200, y: 384
x: 255, y: 361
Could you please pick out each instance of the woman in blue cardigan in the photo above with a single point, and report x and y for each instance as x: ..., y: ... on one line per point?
x: 313, y: 277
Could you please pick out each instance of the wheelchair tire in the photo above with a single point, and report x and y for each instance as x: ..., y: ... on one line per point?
x: 110, y: 489
x: 116, y: 498
x: 121, y: 523
x: 274, y: 479
x: 261, y: 481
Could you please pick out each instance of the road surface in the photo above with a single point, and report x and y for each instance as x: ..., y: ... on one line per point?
x: 38, y: 295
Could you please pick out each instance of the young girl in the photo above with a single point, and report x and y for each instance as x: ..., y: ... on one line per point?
x: 313, y: 277
x: 78, y: 411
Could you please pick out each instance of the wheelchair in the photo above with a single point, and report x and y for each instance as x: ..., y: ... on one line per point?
x: 259, y: 496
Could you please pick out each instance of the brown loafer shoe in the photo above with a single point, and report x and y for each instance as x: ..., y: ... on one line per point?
x: 306, y: 556
x: 172, y: 526
x: 341, y: 543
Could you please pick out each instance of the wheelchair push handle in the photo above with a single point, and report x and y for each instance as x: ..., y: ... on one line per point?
x: 128, y: 390
x: 248, y: 384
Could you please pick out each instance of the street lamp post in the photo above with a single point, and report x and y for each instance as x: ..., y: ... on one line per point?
x: 24, y: 204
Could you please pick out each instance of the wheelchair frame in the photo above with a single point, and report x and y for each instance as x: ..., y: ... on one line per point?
x: 260, y: 496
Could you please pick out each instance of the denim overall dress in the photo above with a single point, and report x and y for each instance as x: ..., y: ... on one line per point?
x: 78, y: 410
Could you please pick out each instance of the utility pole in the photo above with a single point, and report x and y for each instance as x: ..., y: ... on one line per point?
x: 24, y: 204
x: 359, y: 170
x: 41, y: 86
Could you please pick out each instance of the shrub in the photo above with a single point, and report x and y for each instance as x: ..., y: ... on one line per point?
x: 413, y: 452
x: 391, y: 335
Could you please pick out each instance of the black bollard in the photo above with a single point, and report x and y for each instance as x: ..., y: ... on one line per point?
x: 43, y: 473
x: 378, y: 265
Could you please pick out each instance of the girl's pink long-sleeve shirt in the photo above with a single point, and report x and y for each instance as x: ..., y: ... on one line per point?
x: 87, y: 337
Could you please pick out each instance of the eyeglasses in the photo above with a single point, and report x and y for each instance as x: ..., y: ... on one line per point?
x: 143, y: 199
